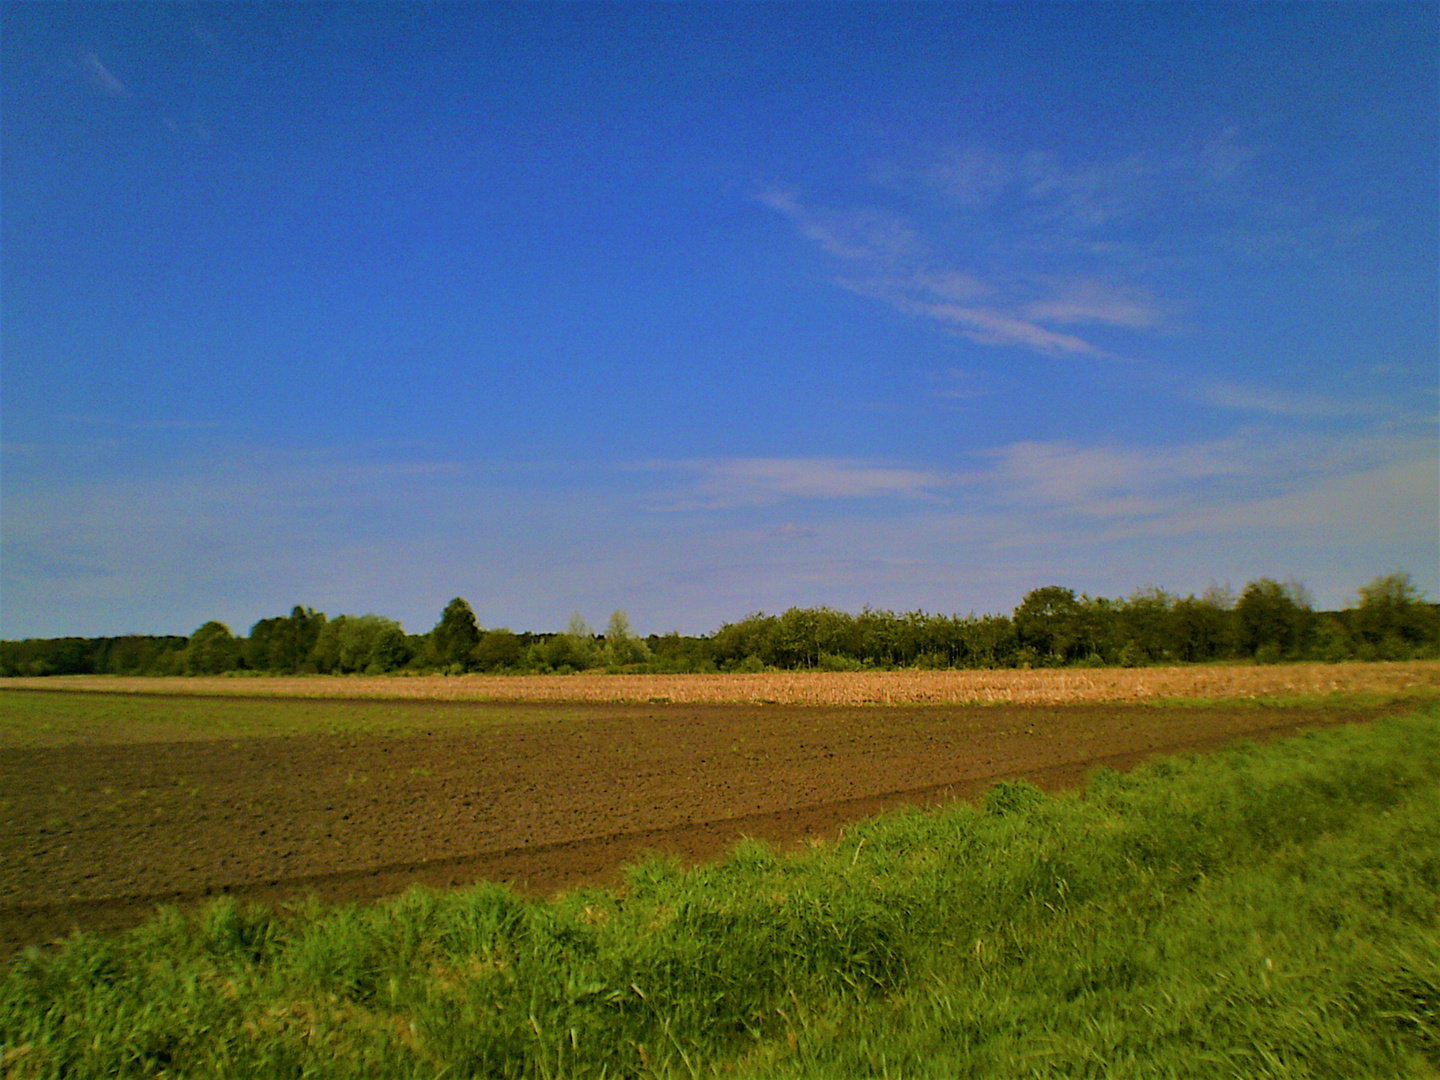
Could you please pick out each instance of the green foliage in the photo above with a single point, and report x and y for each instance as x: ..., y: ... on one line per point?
x: 1011, y: 797
x: 284, y: 645
x: 1053, y: 623
x: 325, y: 654
x: 212, y: 649
x: 622, y: 647
x: 1202, y: 629
x: 674, y: 654
x: 1271, y: 622
x: 1392, y: 622
x: 573, y: 650
x: 498, y: 650
x: 1262, y: 911
x: 456, y: 634
x: 133, y: 654
x: 371, y: 644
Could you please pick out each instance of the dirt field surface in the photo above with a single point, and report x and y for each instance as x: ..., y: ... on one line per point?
x: 114, y: 804
x: 1047, y: 686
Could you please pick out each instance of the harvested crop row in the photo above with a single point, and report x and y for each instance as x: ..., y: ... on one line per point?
x: 1025, y: 687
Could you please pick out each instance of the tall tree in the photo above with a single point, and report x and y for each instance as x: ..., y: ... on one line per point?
x: 212, y: 649
x: 1270, y: 622
x: 1392, y: 614
x: 1051, y: 621
x: 456, y: 634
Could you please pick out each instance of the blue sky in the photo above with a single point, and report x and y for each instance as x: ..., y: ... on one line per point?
x: 697, y: 310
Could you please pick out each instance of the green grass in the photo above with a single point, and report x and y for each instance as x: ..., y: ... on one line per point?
x: 58, y: 717
x: 1261, y: 912
x: 1340, y: 699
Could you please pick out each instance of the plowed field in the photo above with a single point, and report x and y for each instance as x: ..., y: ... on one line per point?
x: 97, y: 828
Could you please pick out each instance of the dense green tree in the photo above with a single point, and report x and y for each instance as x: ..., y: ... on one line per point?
x: 1203, y: 628
x: 1270, y: 623
x: 284, y: 644
x: 1051, y: 625
x: 574, y: 649
x: 733, y: 643
x: 621, y: 645
x: 1052, y: 622
x: 141, y: 654
x: 1392, y: 620
x: 373, y: 644
x: 212, y: 649
x: 988, y: 641
x: 681, y: 654
x: 456, y: 634
x: 1141, y: 628
x: 389, y: 651
x: 290, y: 650
x: 878, y: 636
x: 497, y: 649
x: 325, y: 653
x: 132, y: 654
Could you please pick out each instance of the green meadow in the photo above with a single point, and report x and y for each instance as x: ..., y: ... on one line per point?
x: 1259, y: 912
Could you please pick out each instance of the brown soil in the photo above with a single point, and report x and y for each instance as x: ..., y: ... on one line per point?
x: 95, y: 836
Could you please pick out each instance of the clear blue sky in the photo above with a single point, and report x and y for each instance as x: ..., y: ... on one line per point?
x: 697, y: 310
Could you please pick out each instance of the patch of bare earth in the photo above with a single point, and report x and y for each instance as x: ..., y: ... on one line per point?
x: 95, y: 836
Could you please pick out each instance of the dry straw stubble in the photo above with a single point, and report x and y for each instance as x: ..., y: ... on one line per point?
x: 1025, y: 687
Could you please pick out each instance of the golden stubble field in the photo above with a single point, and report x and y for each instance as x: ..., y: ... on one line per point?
x: 1024, y: 687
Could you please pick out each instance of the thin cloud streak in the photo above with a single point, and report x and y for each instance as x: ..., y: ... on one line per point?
x: 102, y: 78
x: 990, y: 327
x: 748, y: 482
x: 1095, y: 302
x: 899, y: 269
x: 1245, y: 397
x: 1106, y: 481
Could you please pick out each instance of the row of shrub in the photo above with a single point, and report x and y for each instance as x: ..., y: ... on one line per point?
x: 1260, y: 912
x: 1268, y: 622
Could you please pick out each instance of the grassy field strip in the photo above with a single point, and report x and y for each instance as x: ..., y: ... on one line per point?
x: 1261, y: 912
x: 1020, y: 687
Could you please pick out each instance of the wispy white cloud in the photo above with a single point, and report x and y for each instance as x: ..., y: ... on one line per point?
x: 1084, y: 195
x: 1088, y: 300
x: 102, y: 78
x: 887, y: 259
x: 969, y: 177
x: 740, y: 482
x: 1100, y: 483
x: 867, y: 234
x: 1100, y: 480
x: 790, y: 531
x: 1247, y: 397
x: 1087, y: 196
x: 1377, y: 491
x: 955, y: 384
x: 990, y: 327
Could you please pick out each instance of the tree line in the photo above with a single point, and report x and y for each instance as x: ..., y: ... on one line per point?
x: 1268, y: 622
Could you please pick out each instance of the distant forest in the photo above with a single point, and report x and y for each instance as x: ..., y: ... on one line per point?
x: 1269, y: 622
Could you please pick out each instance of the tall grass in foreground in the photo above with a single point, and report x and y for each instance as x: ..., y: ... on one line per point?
x: 1261, y: 912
